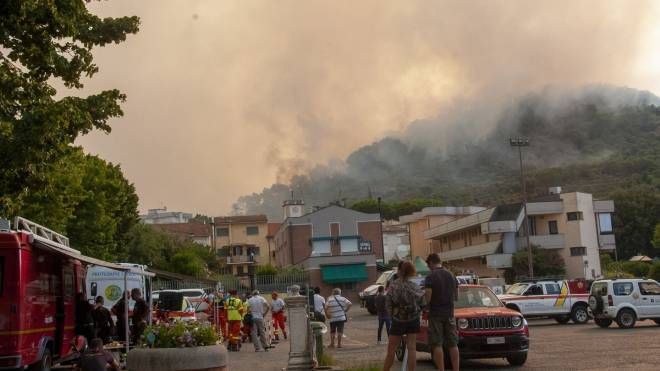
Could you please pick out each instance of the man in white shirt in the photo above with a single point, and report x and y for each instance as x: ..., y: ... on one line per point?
x: 277, y: 312
x: 258, y: 307
x: 319, y: 305
x: 335, y: 309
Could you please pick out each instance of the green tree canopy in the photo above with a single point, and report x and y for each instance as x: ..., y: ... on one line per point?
x: 635, y: 220
x: 44, y: 44
x: 546, y: 263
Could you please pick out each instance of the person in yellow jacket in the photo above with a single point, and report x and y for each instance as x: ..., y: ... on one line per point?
x: 235, y: 310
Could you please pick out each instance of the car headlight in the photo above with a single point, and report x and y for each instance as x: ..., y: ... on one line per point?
x: 463, y: 323
x: 516, y: 321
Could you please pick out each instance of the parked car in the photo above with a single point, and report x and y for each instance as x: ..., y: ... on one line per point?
x: 624, y: 301
x: 367, y: 295
x: 486, y: 328
x: 173, y: 305
x: 562, y: 300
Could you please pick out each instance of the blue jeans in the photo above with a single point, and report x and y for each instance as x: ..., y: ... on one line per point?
x: 384, y: 321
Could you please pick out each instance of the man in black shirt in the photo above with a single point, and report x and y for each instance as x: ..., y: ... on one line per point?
x: 140, y: 312
x: 441, y: 293
x: 103, y: 323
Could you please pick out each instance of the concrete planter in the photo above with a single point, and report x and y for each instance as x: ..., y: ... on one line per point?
x: 209, y: 358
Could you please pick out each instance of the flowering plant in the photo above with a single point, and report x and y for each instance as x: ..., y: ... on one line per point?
x: 179, y: 334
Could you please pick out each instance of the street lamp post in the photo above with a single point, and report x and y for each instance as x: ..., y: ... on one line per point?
x: 524, y: 142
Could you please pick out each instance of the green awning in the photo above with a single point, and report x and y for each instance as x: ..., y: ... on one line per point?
x: 344, y: 273
x: 421, y: 267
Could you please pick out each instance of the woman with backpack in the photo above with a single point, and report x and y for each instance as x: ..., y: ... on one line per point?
x: 404, y: 304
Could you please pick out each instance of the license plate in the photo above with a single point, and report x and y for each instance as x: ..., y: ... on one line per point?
x: 495, y: 340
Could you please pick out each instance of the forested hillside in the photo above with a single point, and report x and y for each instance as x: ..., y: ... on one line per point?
x: 600, y: 139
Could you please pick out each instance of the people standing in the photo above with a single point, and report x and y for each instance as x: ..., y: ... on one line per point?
x: 139, y: 316
x: 404, y: 304
x: 103, y: 323
x: 119, y: 310
x: 277, y: 313
x: 319, y: 305
x: 384, y: 319
x: 235, y: 311
x: 336, y: 310
x: 441, y: 293
x: 84, y: 319
x: 258, y: 307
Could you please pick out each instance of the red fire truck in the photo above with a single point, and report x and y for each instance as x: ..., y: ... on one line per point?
x: 40, y: 276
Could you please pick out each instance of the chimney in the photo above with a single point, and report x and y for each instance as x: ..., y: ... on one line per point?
x: 554, y: 190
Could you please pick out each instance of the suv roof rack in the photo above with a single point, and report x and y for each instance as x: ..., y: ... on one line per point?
x: 22, y: 224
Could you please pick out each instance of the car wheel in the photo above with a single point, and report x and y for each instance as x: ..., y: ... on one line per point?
x: 580, y: 315
x: 626, y: 318
x: 603, y: 322
x: 517, y: 359
x: 45, y: 363
x: 563, y: 319
x: 400, y: 351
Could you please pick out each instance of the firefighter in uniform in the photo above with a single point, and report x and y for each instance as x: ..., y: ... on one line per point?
x: 235, y: 310
x: 221, y: 315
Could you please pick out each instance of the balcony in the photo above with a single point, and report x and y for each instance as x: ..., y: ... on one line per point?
x: 606, y: 242
x: 546, y: 241
x: 544, y: 208
x: 483, y: 249
x: 241, y: 259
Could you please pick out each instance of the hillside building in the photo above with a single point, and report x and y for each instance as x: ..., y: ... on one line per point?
x: 242, y: 241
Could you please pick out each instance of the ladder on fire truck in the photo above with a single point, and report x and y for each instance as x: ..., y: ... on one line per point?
x: 41, y: 231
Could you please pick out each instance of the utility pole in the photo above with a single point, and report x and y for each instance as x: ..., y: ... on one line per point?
x: 524, y: 142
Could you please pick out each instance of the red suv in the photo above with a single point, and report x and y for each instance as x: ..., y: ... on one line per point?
x: 486, y: 328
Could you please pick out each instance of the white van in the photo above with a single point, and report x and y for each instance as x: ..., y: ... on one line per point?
x: 109, y: 284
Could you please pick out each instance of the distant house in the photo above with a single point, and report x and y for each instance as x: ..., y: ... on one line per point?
x: 575, y: 225
x: 641, y: 258
x: 242, y: 241
x: 337, y: 246
x: 162, y: 216
x: 196, y: 232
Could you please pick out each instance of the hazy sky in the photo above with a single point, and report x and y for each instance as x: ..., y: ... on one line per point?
x: 227, y: 97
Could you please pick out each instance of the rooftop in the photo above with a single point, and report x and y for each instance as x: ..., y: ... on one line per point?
x: 188, y: 229
x: 238, y: 219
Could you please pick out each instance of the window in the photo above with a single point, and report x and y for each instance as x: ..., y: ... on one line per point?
x: 237, y: 250
x: 239, y: 270
x: 321, y: 247
x: 2, y: 273
x: 222, y: 232
x: 347, y: 286
x: 576, y: 215
x: 578, y: 251
x: 605, y: 223
x: 552, y: 227
x: 552, y: 288
x: 534, y: 290
x: 649, y: 288
x: 349, y: 246
x: 252, y: 231
x: 622, y: 288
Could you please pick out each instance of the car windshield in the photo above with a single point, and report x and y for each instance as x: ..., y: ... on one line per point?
x: 476, y: 297
x: 517, y: 289
x: 382, y: 280
x: 191, y: 293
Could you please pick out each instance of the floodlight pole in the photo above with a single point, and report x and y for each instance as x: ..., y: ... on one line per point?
x: 524, y: 142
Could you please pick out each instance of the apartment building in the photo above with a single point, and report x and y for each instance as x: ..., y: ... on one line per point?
x: 339, y: 247
x: 162, y: 216
x: 429, y: 217
x: 396, y: 241
x: 242, y: 241
x: 578, y: 227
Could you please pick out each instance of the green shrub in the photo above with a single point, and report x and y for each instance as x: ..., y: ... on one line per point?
x: 654, y: 271
x: 637, y: 269
x: 179, y: 334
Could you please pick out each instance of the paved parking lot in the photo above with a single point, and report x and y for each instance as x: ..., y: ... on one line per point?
x: 553, y: 347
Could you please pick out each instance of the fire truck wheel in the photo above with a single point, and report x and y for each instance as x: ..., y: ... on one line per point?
x: 580, y: 315
x: 562, y: 319
x: 400, y: 351
x: 45, y: 363
x: 603, y: 322
x: 517, y: 359
x: 626, y: 318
